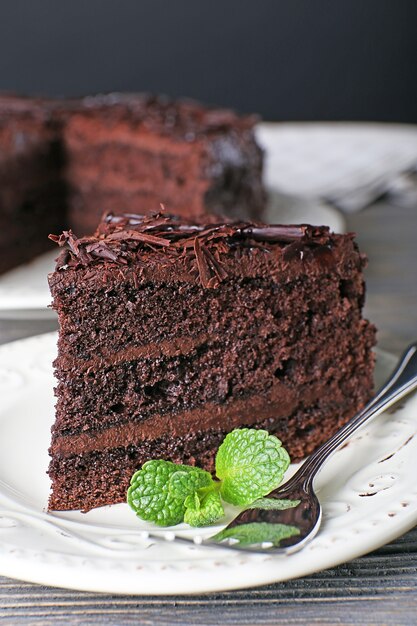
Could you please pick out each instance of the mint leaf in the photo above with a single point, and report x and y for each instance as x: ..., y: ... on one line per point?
x: 257, y: 532
x: 205, y: 511
x: 273, y: 503
x: 157, y: 495
x: 186, y: 482
x: 250, y: 463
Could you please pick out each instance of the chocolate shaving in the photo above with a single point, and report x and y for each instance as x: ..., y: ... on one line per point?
x: 100, y: 249
x: 203, y: 268
x: 61, y: 240
x: 277, y: 233
x: 218, y: 268
x: 139, y: 236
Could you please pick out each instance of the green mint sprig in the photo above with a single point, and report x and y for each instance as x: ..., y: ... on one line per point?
x: 249, y: 464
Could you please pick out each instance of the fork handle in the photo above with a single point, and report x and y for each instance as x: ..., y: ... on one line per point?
x: 402, y: 381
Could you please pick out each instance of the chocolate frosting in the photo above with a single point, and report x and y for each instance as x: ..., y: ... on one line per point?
x: 134, y: 239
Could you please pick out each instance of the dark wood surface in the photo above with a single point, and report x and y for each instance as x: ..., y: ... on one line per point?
x: 379, y: 588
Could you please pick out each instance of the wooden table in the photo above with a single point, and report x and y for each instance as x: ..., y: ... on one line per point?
x: 380, y: 588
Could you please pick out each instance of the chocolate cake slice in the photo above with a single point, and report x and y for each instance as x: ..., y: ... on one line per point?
x: 32, y: 188
x: 173, y: 334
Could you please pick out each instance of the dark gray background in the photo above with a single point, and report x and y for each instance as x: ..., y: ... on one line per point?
x: 287, y: 59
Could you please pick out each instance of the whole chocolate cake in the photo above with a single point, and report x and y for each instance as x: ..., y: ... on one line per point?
x: 63, y: 162
x: 172, y: 334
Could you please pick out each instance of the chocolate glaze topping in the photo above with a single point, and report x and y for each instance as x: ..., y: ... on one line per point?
x: 128, y: 238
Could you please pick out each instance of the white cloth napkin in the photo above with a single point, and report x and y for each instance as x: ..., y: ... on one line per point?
x: 347, y: 164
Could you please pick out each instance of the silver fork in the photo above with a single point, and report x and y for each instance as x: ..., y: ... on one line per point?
x: 307, y: 515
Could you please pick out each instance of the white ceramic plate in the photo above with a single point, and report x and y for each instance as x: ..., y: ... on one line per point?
x: 24, y: 291
x: 368, y: 491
